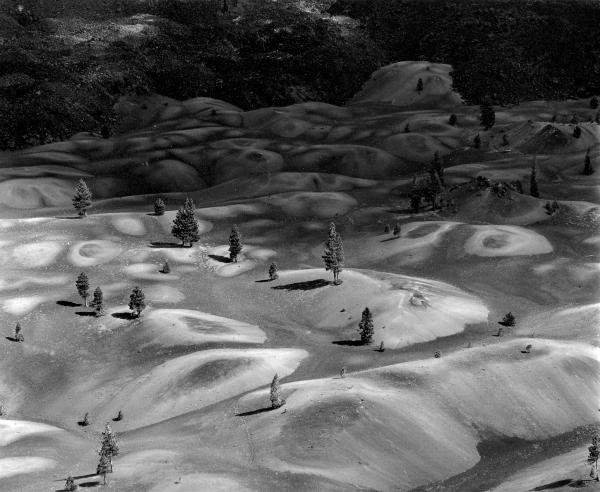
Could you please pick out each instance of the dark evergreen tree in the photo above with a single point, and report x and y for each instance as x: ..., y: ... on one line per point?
x: 487, y: 116
x: 18, y: 335
x: 597, y: 117
x: 159, y: 206
x: 185, y: 224
x: 505, y: 141
x: 119, y: 416
x: 83, y: 287
x: 587, y: 166
x: 594, y: 102
x: 419, y: 85
x: 108, y: 445
x: 415, y: 200
x: 407, y: 128
x: 166, y: 267
x: 365, y: 327
x: 235, y: 243
x: 382, y: 346
x: 437, y: 167
x: 577, y: 132
x: 137, y: 301
x: 452, y: 120
x: 594, y: 455
x: 396, y: 231
x: 553, y: 120
x: 333, y: 257
x: 477, y: 141
x: 509, y: 319
x: 533, y: 187
x: 70, y: 485
x: 276, y: 400
x: 82, y: 199
x: 273, y: 269
x: 437, y: 354
x: 86, y: 421
x: 104, y: 466
x: 528, y: 349
x: 98, y: 302
x: 386, y: 229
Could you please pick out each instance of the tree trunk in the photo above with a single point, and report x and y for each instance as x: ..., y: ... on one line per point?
x: 85, y: 301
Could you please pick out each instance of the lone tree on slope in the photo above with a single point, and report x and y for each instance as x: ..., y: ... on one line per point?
x: 83, y: 287
x: 108, y: 445
x: 166, y: 267
x: 437, y: 167
x: 273, y: 269
x: 333, y: 257
x: 18, y: 335
x: 104, y: 467
x: 70, y: 485
x: 452, y: 120
x: 487, y: 116
x: 235, y: 243
x: 137, y: 301
x: 365, y: 327
x: 159, y: 206
x: 276, y: 400
x: 577, y: 132
x: 477, y: 141
x: 396, y: 230
x: 533, y: 187
x: 587, y: 166
x: 419, y: 85
x: 594, y: 102
x: 98, y: 303
x: 82, y: 199
x: 185, y: 224
x: 508, y: 320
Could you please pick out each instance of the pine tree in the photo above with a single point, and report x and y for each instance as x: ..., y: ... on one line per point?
x: 487, y: 116
x: 577, y: 132
x: 365, y: 327
x: 437, y: 167
x: 419, y: 85
x: 382, y: 346
x: 86, y: 421
x: 276, y: 400
x: 452, y: 120
x: 587, y: 166
x: 185, y: 224
x: 166, y: 267
x: 273, y: 269
x: 104, y: 466
x: 509, y: 319
x: 70, y: 485
x: 477, y: 141
x: 396, y: 230
x: 137, y: 301
x: 533, y: 187
x: 235, y: 243
x: 98, y: 302
x: 505, y: 141
x: 119, y: 416
x: 83, y: 287
x: 159, y: 207
x: 594, y: 455
x: 18, y: 335
x: 333, y: 257
x: 108, y: 445
x: 594, y: 102
x: 407, y: 128
x: 82, y: 199
x: 386, y: 229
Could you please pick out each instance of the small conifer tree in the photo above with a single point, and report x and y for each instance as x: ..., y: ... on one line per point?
x: 381, y: 346
x: 477, y: 141
x: 527, y: 349
x: 273, y: 269
x: 452, y: 120
x: 396, y: 231
x: 82, y: 199
x: 235, y: 243
x: 505, y: 141
x: 108, y: 445
x: 86, y: 421
x: 276, y: 400
x: 333, y: 257
x: 407, y: 128
x: 159, y: 206
x: 533, y: 187
x: 18, y: 334
x: 386, y: 229
x: 577, y: 132
x: 343, y: 372
x: 587, y: 165
x: 83, y: 287
x: 119, y: 416
x: 137, y: 301
x: 185, y: 224
x: 104, y: 466
x: 365, y: 327
x: 98, y: 302
x: 70, y: 485
x: 594, y: 102
x: 437, y: 354
x: 420, y: 85
x: 166, y: 267
x: 594, y: 455
x: 487, y: 116
x: 509, y: 319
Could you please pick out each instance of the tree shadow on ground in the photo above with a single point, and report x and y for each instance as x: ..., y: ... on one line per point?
x: 389, y: 239
x: 578, y: 484
x: 68, y: 303
x: 68, y: 217
x: 349, y: 343
x: 82, y: 423
x: 263, y: 281
x: 553, y: 485
x: 84, y: 313
x: 308, y: 285
x: 11, y: 339
x: 125, y: 315
x: 164, y: 244
x: 222, y: 259
x: 95, y: 483
x: 255, y: 412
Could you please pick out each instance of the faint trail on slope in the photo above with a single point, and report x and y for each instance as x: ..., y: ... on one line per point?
x: 251, y: 448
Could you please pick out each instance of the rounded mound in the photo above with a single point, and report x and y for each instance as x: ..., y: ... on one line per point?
x: 499, y: 240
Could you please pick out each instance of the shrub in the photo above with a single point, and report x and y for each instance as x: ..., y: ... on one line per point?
x: 508, y: 320
x: 159, y: 206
